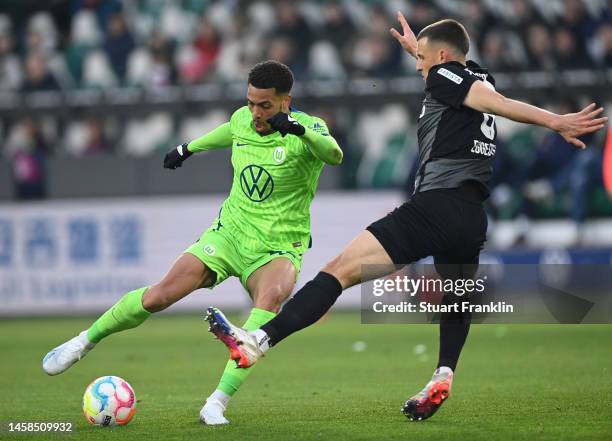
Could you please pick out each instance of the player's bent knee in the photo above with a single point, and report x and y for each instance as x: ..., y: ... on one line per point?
x: 340, y: 268
x: 271, y: 299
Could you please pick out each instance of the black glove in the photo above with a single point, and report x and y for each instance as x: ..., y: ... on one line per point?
x: 175, y: 157
x: 285, y: 124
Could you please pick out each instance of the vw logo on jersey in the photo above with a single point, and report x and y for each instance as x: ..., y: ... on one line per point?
x: 256, y: 183
x: 279, y: 155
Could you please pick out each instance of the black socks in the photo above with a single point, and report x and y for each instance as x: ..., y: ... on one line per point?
x: 454, y: 328
x: 307, y: 306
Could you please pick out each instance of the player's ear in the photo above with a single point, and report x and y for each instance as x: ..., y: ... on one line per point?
x: 442, y: 55
x: 286, y: 103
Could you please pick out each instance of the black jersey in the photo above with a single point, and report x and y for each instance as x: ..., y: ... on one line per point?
x: 456, y: 143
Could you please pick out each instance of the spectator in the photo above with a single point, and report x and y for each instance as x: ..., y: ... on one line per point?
x: 201, y: 58
x: 539, y: 48
x: 104, y: 9
x: 606, y: 16
x: 10, y: 69
x: 478, y: 20
x: 374, y: 58
x: 576, y: 17
x: 337, y: 26
x: 376, y: 55
x: 291, y: 25
x: 585, y: 176
x: 421, y: 15
x: 118, y: 45
x: 96, y: 140
x: 556, y: 166
x: 41, y: 34
x: 38, y: 76
x: 496, y: 53
x: 29, y: 163
x: 523, y: 17
x: 162, y: 71
x: 548, y: 167
x: 567, y: 53
x: 604, y: 45
x: 283, y: 49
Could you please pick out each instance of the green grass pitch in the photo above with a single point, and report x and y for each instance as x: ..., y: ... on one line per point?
x: 520, y: 382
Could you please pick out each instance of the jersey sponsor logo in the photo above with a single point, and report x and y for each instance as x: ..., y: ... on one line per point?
x: 256, y: 183
x: 209, y: 249
x: 483, y: 148
x: 319, y: 128
x: 279, y: 155
x: 239, y: 144
x: 451, y: 76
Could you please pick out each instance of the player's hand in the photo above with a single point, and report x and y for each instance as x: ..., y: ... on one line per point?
x: 408, y: 40
x: 573, y: 125
x: 175, y: 157
x: 285, y: 124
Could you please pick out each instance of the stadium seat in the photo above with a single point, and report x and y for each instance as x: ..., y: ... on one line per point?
x: 324, y: 61
x: 97, y: 71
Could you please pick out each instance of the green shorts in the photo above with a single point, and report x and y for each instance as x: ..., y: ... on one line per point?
x: 220, y: 251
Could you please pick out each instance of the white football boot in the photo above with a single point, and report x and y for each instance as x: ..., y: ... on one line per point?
x: 243, y: 346
x: 65, y: 355
x: 212, y: 413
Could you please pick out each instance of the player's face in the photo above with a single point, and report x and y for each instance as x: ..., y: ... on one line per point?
x: 430, y: 54
x: 264, y: 104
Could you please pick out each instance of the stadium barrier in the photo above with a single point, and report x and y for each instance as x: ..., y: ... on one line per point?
x: 80, y: 256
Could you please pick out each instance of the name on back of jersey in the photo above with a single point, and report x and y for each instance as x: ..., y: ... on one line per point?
x: 483, y: 148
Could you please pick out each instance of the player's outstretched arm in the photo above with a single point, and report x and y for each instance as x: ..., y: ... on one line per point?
x: 323, y: 146
x: 408, y: 39
x: 571, y: 125
x: 218, y: 138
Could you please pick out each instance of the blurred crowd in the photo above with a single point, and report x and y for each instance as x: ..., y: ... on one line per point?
x: 60, y: 45
x: 105, y: 43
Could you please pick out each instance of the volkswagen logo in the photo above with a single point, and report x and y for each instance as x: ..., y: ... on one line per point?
x: 256, y: 183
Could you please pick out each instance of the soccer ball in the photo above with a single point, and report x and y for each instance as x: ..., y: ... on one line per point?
x: 109, y: 401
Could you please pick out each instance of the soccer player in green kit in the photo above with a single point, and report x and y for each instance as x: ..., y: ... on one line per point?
x: 260, y: 234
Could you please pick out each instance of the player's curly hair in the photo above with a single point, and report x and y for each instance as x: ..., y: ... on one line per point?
x: 271, y: 74
x: 447, y: 31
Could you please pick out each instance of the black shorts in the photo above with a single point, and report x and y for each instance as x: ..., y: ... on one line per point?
x: 448, y: 224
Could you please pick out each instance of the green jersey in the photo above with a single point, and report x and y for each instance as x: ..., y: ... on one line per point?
x: 275, y: 179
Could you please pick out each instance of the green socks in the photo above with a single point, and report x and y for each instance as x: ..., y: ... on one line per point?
x: 127, y: 313
x: 232, y: 377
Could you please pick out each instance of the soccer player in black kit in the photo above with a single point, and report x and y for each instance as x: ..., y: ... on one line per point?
x: 444, y: 218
